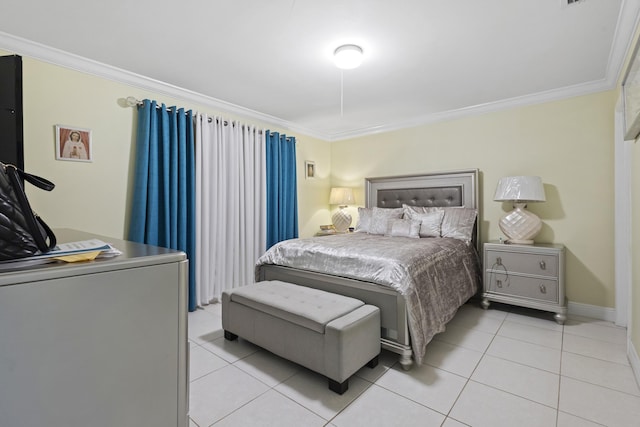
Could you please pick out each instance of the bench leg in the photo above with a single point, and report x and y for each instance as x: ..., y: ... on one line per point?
x: 373, y: 362
x: 337, y: 387
x: 230, y: 336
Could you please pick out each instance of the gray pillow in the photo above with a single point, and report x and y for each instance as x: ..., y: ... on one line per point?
x: 380, y: 219
x: 403, y: 228
x: 457, y: 223
x: 410, y: 209
x: 430, y: 222
x: 364, y: 220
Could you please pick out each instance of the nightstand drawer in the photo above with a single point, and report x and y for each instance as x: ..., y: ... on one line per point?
x: 526, y: 263
x: 522, y: 287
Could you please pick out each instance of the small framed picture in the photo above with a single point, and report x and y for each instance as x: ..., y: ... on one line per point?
x: 73, y: 144
x: 310, y: 169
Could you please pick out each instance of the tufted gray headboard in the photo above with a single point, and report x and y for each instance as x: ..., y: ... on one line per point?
x: 447, y: 189
x: 432, y: 196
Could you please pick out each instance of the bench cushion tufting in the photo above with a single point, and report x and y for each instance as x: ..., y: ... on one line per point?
x: 307, y: 307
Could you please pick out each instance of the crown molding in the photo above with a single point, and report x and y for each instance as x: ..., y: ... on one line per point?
x: 623, y: 41
x: 628, y: 19
x: 59, y: 57
x: 490, y: 107
x: 628, y: 22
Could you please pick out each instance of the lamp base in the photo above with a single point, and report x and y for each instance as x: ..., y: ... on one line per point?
x: 341, y: 220
x: 520, y: 225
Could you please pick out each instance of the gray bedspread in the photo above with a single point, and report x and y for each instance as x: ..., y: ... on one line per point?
x: 434, y: 275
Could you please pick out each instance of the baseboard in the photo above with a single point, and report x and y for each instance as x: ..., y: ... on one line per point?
x: 634, y: 360
x: 592, y: 311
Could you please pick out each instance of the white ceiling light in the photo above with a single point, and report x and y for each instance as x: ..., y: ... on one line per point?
x: 348, y: 56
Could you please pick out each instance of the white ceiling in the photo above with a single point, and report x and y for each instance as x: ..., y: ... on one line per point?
x: 425, y: 60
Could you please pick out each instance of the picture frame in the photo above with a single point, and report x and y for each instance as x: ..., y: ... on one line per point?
x: 73, y: 144
x: 631, y: 97
x: 309, y: 169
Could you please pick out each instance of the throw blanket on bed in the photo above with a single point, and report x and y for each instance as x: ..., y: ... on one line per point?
x: 434, y: 275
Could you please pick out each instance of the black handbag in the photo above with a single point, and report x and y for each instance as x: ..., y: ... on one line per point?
x: 22, y: 232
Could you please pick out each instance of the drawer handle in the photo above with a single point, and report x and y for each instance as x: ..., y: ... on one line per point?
x: 543, y: 266
x: 543, y: 288
x: 499, y: 261
x: 499, y: 283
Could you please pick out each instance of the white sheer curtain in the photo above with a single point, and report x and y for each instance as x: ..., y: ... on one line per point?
x: 230, y: 205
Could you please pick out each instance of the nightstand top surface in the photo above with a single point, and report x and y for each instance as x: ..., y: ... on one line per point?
x: 535, y: 245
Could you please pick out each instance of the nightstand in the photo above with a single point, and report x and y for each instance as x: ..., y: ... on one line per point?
x: 525, y: 275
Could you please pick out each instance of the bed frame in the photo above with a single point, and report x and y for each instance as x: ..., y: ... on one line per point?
x: 448, y: 189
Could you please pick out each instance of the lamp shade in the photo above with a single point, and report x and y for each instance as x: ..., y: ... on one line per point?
x: 520, y: 189
x: 341, y: 196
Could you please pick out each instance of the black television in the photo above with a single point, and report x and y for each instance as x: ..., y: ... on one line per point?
x: 11, y: 131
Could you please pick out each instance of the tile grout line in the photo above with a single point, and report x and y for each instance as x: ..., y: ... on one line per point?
x: 557, y: 408
x: 560, y: 377
x: 484, y: 353
x: 405, y: 397
x: 559, y: 389
x: 467, y: 378
x: 514, y: 395
x: 498, y: 389
x: 581, y: 418
x: 524, y: 364
x: 371, y: 384
x: 602, y: 386
x: 597, y: 358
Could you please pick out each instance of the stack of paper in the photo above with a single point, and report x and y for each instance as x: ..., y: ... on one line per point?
x: 85, y: 250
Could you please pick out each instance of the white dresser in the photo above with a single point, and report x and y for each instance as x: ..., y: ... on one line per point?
x: 101, y: 343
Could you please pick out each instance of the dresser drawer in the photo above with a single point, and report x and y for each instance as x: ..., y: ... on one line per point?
x: 522, y: 287
x: 526, y: 263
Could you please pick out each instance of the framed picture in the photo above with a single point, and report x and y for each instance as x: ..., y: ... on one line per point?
x: 631, y: 92
x: 73, y: 144
x: 309, y: 169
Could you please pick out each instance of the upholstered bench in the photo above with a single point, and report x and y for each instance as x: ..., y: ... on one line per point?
x: 331, y: 334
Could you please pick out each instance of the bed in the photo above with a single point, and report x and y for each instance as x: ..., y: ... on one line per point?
x: 418, y: 284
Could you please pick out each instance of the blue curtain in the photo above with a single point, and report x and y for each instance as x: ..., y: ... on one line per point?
x: 282, y: 196
x: 163, y: 210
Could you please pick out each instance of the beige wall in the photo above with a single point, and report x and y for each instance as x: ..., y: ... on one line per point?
x: 95, y: 196
x: 568, y: 143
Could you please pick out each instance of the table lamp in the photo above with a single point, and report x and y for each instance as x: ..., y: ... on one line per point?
x: 520, y: 225
x: 341, y: 196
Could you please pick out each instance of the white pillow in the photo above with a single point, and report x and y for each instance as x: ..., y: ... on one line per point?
x: 458, y: 223
x: 403, y: 228
x: 364, y: 220
x: 430, y: 222
x: 380, y: 219
x: 408, y: 210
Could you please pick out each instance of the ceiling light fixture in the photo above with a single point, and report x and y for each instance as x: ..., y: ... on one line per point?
x: 348, y: 56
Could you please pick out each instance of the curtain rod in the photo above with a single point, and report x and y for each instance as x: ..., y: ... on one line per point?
x: 134, y: 102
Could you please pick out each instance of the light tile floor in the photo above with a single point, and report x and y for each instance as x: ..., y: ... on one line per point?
x: 506, y: 366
